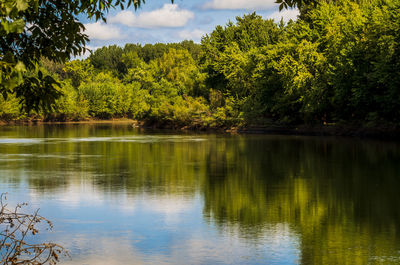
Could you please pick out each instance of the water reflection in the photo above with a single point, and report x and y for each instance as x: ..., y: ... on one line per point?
x: 168, y: 198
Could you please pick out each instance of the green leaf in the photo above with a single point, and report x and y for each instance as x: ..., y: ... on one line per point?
x: 20, y: 67
x: 21, y: 5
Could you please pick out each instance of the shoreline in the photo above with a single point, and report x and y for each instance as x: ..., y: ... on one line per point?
x: 88, y: 121
x: 383, y: 133
x: 377, y: 132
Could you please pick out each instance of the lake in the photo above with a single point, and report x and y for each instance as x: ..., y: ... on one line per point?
x: 121, y: 195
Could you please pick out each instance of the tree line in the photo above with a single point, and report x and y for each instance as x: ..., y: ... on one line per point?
x: 337, y: 63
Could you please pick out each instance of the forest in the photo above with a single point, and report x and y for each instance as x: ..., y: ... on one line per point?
x: 338, y: 63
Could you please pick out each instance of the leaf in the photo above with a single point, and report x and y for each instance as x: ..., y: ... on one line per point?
x: 16, y: 26
x: 21, y: 5
x: 20, y: 67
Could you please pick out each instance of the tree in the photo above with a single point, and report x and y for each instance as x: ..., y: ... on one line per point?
x: 109, y: 58
x: 227, y: 51
x: 32, y: 29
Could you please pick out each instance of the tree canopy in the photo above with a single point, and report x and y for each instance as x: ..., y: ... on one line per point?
x: 35, y: 29
x: 32, y: 29
x: 337, y: 63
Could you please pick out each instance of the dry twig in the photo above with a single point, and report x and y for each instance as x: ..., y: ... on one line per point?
x: 16, y: 228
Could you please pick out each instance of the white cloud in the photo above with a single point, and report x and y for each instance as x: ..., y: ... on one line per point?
x: 286, y: 14
x: 169, y: 16
x: 191, y: 34
x: 124, y: 17
x: 101, y: 31
x: 241, y: 4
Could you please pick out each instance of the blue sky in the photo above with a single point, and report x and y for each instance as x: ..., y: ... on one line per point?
x: 161, y: 21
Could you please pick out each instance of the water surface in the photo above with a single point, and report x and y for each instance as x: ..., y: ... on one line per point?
x: 118, y: 195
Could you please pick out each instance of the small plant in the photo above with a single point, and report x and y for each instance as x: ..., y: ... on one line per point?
x: 16, y: 230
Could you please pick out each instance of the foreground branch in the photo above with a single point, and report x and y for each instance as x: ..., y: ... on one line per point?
x: 16, y: 230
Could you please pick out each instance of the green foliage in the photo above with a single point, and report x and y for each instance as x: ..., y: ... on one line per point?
x: 70, y: 106
x: 226, y: 51
x: 77, y: 72
x: 26, y: 37
x: 109, y: 59
x: 358, y: 41
x: 119, y: 60
x: 150, y: 52
x: 9, y: 109
x: 105, y: 96
x: 339, y: 62
x: 178, y: 67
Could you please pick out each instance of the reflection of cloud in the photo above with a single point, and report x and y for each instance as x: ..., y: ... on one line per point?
x: 168, y: 205
x: 116, y: 251
x: 75, y: 195
x: 107, y: 251
x: 169, y: 15
x: 128, y: 138
x: 126, y: 204
x: 176, y: 238
x: 279, y: 245
x: 200, y: 247
x: 132, y: 138
x: 240, y: 4
x: 20, y: 141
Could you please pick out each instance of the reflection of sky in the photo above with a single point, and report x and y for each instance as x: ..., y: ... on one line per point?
x: 123, y: 139
x: 126, y: 227
x: 111, y: 228
x: 123, y: 197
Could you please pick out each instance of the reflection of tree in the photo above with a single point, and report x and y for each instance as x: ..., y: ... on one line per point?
x: 224, y: 198
x: 339, y: 196
x: 157, y: 164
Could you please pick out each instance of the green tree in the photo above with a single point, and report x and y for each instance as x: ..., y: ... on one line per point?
x: 109, y: 59
x: 235, y: 41
x: 107, y: 97
x: 26, y: 37
x: 78, y: 71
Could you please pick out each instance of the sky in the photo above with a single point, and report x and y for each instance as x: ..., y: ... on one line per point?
x: 160, y: 21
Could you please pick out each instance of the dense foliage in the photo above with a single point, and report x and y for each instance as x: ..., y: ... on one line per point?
x: 338, y: 63
x: 32, y: 29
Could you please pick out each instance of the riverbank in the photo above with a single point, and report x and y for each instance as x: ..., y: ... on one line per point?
x: 389, y: 132
x: 379, y: 132
x: 86, y: 121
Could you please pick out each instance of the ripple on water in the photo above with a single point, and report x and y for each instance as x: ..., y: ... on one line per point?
x: 20, y: 141
x: 137, y: 139
x: 133, y: 139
